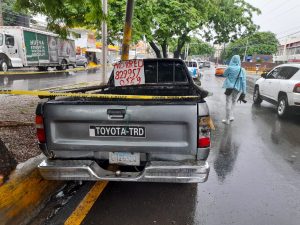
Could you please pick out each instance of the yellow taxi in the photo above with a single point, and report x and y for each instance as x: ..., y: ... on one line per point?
x: 220, y: 70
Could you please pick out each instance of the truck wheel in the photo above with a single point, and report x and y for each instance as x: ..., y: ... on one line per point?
x: 282, y: 106
x: 43, y: 68
x: 3, y: 65
x: 63, y: 65
x: 256, y: 96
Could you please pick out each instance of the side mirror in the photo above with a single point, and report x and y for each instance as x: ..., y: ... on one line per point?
x: 264, y: 75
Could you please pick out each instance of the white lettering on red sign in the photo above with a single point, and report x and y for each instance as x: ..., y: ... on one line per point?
x: 129, y: 72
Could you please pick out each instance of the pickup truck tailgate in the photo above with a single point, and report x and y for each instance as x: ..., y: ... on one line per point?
x: 133, y: 128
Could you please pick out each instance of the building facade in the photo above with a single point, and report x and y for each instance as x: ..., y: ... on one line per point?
x: 288, y: 51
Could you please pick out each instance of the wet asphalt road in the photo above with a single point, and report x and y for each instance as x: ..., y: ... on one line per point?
x: 254, y: 178
x: 50, y: 80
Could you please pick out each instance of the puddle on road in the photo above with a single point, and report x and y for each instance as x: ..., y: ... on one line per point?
x: 42, y: 81
x: 57, y: 202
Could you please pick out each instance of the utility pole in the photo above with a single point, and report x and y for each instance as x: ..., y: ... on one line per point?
x: 127, y: 30
x: 1, y: 15
x: 104, y: 40
x: 284, y: 58
x: 245, y: 51
x: 187, y: 50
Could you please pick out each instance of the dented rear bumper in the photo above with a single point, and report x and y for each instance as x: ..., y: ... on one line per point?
x: 156, y: 171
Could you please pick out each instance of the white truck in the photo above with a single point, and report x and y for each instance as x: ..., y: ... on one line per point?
x: 25, y: 47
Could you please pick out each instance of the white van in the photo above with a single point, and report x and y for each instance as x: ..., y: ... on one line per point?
x: 193, y: 68
x: 26, y: 47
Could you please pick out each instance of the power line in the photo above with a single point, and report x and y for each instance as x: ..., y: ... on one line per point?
x: 266, y: 3
x: 246, y: 46
x: 278, y: 16
x: 289, y: 34
x: 276, y: 6
x: 291, y: 28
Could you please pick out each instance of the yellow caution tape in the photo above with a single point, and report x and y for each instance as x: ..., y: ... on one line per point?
x: 87, y: 95
x: 47, y: 72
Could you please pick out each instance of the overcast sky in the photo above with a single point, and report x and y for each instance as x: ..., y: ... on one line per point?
x: 282, y: 17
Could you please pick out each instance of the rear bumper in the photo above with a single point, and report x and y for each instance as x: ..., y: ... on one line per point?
x: 156, y: 171
x: 295, y: 99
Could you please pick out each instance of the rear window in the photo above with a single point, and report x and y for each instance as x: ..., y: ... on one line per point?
x: 164, y: 72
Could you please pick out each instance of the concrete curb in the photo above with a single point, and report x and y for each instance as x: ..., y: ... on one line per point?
x: 25, y: 193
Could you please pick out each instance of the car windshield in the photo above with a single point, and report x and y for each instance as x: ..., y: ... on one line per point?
x: 1, y: 39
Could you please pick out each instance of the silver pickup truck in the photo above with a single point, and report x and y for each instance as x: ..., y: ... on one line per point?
x: 149, y: 139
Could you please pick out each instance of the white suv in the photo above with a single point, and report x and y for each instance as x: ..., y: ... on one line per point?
x: 281, y: 86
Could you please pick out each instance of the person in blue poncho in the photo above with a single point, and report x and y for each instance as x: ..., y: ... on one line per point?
x: 236, y: 83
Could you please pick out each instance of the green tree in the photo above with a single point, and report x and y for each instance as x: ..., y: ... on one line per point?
x: 199, y: 47
x: 11, y: 16
x: 264, y: 43
x: 64, y: 14
x: 176, y: 21
x: 162, y: 22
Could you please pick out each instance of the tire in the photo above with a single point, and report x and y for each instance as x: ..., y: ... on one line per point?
x: 256, y: 96
x: 3, y: 65
x: 43, y: 68
x: 282, y: 106
x: 63, y: 65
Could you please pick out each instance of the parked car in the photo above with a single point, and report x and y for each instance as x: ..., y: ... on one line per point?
x: 193, y: 68
x: 151, y: 139
x: 81, y: 60
x: 281, y: 87
x: 220, y: 70
x: 206, y: 64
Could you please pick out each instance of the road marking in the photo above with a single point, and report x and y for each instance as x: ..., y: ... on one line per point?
x: 86, y: 204
x: 48, y: 94
x: 24, y: 193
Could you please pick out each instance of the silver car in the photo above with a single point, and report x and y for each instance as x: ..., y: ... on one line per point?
x: 81, y: 61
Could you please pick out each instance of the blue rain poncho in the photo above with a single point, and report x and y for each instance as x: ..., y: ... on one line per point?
x: 231, y: 74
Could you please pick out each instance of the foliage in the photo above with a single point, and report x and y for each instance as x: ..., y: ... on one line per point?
x: 64, y: 14
x: 198, y: 47
x: 162, y: 22
x: 230, y: 19
x: 10, y: 16
x: 177, y: 20
x: 264, y: 43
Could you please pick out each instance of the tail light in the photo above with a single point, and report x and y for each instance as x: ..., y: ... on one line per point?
x: 40, y: 131
x: 204, y: 127
x: 297, y: 88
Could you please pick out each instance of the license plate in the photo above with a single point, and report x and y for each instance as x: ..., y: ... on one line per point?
x: 117, y: 131
x: 124, y: 158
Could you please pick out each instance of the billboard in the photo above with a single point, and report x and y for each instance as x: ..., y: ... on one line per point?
x: 41, y: 48
x: 36, y: 47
